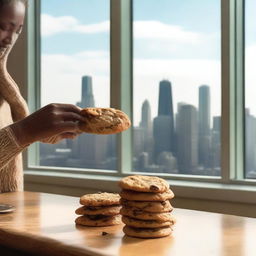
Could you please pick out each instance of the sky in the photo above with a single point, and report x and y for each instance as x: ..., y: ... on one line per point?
x: 173, y: 39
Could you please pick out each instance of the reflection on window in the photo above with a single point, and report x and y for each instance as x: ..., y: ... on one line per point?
x: 250, y: 91
x: 75, y: 69
x: 176, y: 87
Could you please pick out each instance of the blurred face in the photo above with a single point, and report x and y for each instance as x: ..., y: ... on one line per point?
x: 11, y: 23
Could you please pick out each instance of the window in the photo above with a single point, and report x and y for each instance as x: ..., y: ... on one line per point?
x: 75, y: 69
x: 177, y: 68
x: 177, y: 86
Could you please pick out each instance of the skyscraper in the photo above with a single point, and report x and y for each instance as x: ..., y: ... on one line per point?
x: 87, y: 99
x: 146, y: 115
x: 165, y: 107
x: 162, y: 135
x: 146, y: 125
x: 204, y: 125
x: 163, y: 124
x: 187, y: 134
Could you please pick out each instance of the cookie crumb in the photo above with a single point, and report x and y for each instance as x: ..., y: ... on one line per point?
x: 104, y: 233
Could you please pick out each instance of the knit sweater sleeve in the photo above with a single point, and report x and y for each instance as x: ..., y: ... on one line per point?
x: 9, y: 146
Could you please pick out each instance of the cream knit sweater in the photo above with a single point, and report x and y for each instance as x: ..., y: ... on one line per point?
x: 12, y: 108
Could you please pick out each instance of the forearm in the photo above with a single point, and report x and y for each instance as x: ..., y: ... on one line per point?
x: 9, y: 146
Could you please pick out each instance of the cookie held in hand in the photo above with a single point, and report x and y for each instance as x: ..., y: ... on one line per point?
x: 104, y: 121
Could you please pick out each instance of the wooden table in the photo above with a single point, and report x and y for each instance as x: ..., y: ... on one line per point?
x: 43, y: 224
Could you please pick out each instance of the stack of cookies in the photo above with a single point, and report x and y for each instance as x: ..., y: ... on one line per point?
x: 98, y: 210
x: 146, y: 209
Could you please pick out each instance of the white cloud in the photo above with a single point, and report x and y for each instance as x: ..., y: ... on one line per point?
x: 158, y: 30
x: 51, y: 25
x: 149, y: 29
x: 93, y: 28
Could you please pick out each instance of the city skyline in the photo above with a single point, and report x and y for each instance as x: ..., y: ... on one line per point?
x: 168, y: 142
x: 189, y: 128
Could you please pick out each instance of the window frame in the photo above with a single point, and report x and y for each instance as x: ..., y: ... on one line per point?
x: 232, y: 100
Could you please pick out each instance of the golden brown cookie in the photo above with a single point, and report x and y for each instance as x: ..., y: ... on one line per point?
x: 142, y: 183
x: 141, y: 215
x: 98, y: 220
x: 147, y: 232
x: 96, y: 210
x: 100, y: 199
x: 146, y: 196
x: 104, y: 121
x: 147, y: 206
x: 132, y: 222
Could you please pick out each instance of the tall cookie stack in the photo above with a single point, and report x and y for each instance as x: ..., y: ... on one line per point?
x: 146, y: 209
x: 98, y: 210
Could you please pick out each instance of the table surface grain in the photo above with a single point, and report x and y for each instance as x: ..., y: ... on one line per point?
x: 43, y: 224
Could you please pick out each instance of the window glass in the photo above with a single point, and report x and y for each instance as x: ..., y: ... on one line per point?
x: 75, y: 69
x: 250, y: 91
x: 177, y: 86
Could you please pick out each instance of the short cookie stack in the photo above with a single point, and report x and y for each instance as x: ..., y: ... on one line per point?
x: 98, y: 210
x: 146, y: 209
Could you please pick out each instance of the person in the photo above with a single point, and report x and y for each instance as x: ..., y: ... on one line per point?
x: 18, y: 128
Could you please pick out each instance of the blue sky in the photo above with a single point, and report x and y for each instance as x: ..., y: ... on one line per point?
x: 187, y: 13
x: 202, y: 17
x: 86, y: 12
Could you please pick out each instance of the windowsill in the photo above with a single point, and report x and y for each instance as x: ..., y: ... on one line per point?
x: 183, y: 189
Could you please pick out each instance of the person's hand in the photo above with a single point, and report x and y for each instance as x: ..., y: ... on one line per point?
x: 49, y: 124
